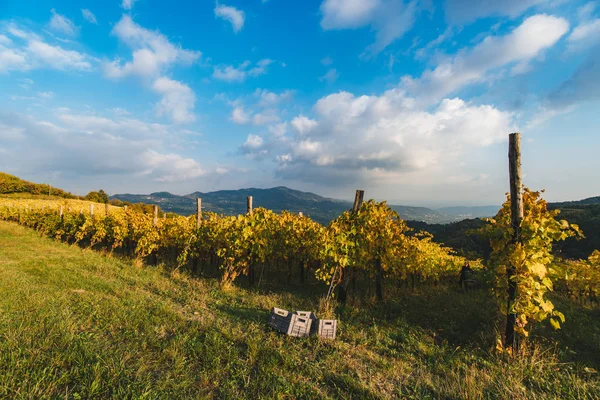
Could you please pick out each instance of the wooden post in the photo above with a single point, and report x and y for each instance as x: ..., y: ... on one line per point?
x: 249, y: 205
x: 516, y: 216
x: 300, y: 214
x: 350, y: 273
x: 358, y: 200
x: 92, y: 210
x: 155, y: 219
x: 61, y: 212
x: 198, y: 212
x: 106, y: 209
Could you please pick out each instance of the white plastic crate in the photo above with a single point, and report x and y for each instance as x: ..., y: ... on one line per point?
x: 299, y: 326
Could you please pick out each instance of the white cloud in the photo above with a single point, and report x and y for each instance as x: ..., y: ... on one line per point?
x: 267, y: 98
x: 253, y: 142
x: 254, y: 147
x: 232, y: 74
x: 46, y: 95
x: 128, y: 4
x: 170, y: 167
x: 464, y: 11
x: 330, y: 76
x: 29, y: 51
x: 87, y: 146
x: 89, y: 16
x: 585, y: 35
x: 5, y: 40
x: 57, y: 57
x: 60, y: 23
x: 232, y: 15
x: 178, y: 100
x: 152, y: 51
x: 468, y: 66
x: 259, y: 109
x: 390, y: 19
x: 239, y: 116
x: 354, y: 138
x: 303, y: 125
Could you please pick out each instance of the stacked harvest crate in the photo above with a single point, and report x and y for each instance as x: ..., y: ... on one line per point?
x: 302, y: 324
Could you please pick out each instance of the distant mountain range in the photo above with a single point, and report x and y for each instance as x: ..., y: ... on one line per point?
x: 281, y: 198
x: 321, y: 209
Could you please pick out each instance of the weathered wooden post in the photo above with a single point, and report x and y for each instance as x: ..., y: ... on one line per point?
x: 198, y: 212
x: 358, y: 200
x: 92, y: 210
x: 61, y: 212
x: 350, y: 273
x: 106, y: 209
x: 300, y: 214
x: 516, y: 217
x: 155, y: 219
x: 251, y: 266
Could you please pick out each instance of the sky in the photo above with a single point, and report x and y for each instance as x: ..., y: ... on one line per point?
x: 411, y: 101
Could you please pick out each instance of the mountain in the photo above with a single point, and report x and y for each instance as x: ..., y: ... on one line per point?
x: 280, y: 198
x: 464, y: 212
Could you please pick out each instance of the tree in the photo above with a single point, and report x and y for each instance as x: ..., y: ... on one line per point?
x: 98, y: 197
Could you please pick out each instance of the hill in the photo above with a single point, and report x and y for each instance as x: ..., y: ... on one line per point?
x: 280, y: 198
x: 77, y: 324
x: 10, y: 184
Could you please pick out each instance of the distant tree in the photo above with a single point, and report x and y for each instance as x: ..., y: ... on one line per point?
x: 98, y: 197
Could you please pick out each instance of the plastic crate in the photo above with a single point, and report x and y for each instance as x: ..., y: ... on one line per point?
x: 326, y: 328
x: 307, y: 314
x: 280, y: 319
x: 299, y: 326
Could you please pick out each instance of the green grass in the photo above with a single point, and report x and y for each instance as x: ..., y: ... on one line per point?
x: 78, y: 324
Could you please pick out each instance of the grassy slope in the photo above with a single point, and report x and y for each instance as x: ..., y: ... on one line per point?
x: 74, y: 323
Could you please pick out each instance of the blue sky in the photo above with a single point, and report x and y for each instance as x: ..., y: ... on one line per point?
x: 410, y: 100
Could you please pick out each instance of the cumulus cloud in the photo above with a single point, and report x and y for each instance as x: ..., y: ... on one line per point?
x: 23, y: 51
x: 170, y: 167
x: 354, y: 138
x: 231, y: 14
x: 89, y: 145
x: 259, y: 109
x: 152, y: 51
x: 232, y: 74
x: 518, y: 48
x: 240, y: 116
x: 178, y: 100
x: 465, y: 11
x: 61, y: 24
x: 390, y: 19
x: 89, y: 16
x: 303, y: 125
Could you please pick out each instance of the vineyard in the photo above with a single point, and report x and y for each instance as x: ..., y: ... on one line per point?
x: 372, y: 243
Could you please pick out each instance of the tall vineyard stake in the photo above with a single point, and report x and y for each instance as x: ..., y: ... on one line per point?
x: 516, y: 216
x: 61, y: 212
x: 92, y: 210
x: 155, y: 219
x: 106, y: 209
x: 358, y: 201
x: 251, y: 266
x: 198, y: 212
x: 342, y: 293
x: 198, y: 223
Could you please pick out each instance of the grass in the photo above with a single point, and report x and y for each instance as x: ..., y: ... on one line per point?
x: 78, y: 324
